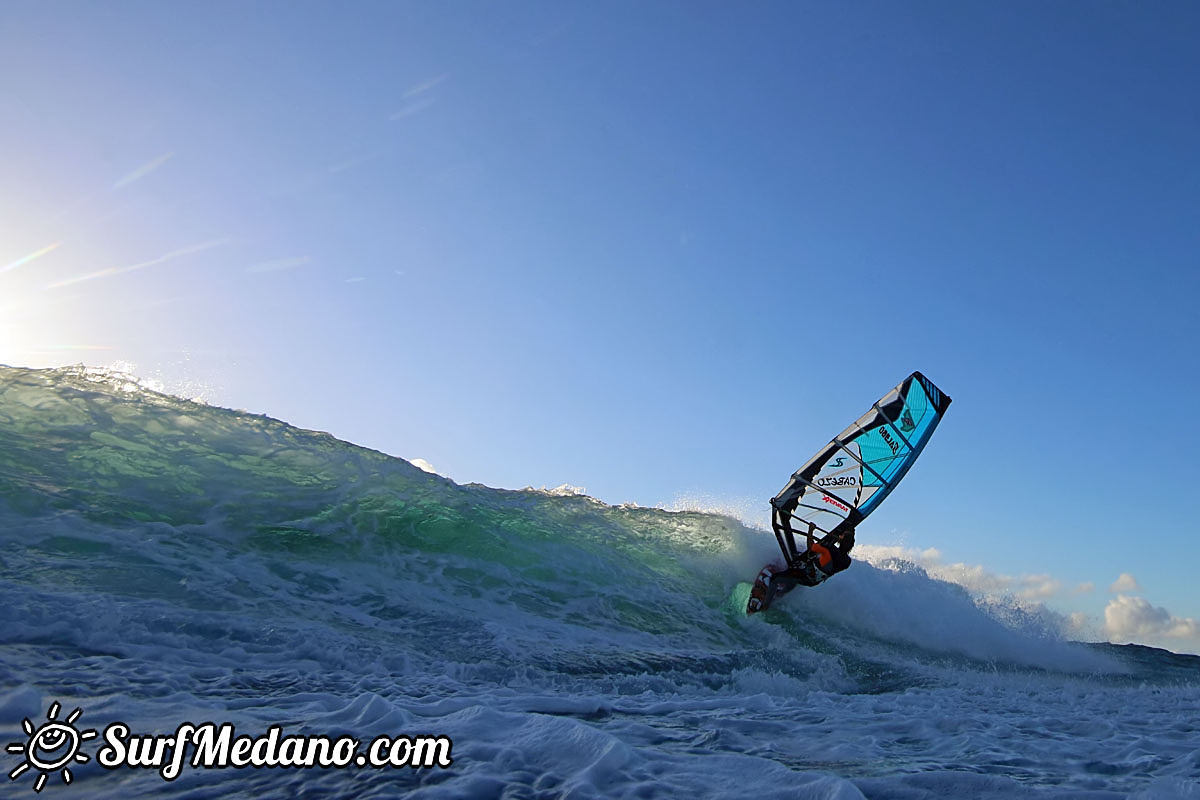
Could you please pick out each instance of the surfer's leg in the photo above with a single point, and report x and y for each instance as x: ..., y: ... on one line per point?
x: 766, y: 586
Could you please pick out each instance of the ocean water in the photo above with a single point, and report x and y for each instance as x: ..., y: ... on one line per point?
x: 163, y: 561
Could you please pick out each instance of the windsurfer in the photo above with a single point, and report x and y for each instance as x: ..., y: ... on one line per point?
x: 821, y: 559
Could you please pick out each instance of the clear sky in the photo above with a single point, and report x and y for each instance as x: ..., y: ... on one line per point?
x: 660, y: 250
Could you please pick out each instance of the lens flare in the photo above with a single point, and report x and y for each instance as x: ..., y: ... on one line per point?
x: 20, y: 262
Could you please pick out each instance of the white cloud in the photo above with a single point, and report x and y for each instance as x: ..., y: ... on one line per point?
x: 877, y: 553
x: 425, y: 465
x: 1128, y: 619
x: 1037, y: 587
x: 972, y: 577
x: 1125, y: 583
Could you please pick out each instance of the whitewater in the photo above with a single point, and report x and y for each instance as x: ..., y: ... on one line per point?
x: 164, y: 561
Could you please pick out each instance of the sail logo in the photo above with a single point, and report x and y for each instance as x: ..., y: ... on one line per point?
x: 890, y: 441
x: 837, y: 480
x: 906, y: 421
x: 835, y: 503
x: 840, y: 461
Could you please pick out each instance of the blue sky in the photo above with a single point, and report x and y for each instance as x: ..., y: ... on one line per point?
x: 657, y: 250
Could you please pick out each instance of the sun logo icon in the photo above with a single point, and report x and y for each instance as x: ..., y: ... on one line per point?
x: 51, y: 747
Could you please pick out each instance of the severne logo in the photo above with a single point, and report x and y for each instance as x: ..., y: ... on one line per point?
x: 834, y: 503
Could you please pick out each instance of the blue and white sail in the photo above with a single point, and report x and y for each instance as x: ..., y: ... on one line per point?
x: 848, y: 479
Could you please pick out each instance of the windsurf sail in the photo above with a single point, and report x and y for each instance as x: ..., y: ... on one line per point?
x: 848, y: 479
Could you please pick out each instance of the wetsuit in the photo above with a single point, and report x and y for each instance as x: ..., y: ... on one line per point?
x: 823, y: 558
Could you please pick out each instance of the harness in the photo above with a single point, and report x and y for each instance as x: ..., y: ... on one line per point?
x: 824, y: 557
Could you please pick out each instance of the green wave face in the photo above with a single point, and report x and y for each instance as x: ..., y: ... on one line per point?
x: 118, y: 494
x: 123, y: 492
